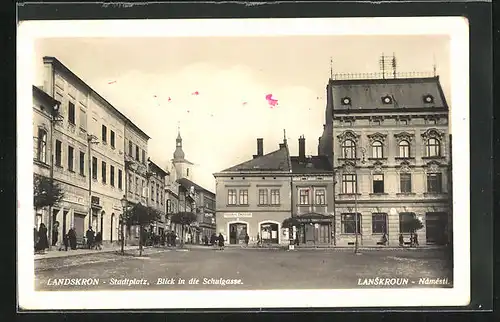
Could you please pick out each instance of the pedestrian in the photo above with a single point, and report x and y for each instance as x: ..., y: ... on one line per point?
x: 90, y: 238
x: 72, y: 238
x: 415, y: 240
x: 55, y: 233
x: 98, y: 241
x: 221, y: 241
x: 247, y: 239
x: 213, y: 240
x: 258, y: 239
x: 205, y: 240
x: 35, y: 237
x: 174, y: 239
x: 66, y: 241
x: 43, y: 242
x: 401, y: 240
x: 384, y: 239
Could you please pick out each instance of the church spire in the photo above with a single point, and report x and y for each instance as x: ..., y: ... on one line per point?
x: 179, y: 153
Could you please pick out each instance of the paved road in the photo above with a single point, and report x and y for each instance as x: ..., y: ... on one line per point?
x: 246, y: 269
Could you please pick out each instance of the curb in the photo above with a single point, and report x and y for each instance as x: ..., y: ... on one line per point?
x: 70, y: 254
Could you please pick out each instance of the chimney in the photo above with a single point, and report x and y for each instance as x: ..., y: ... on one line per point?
x: 260, y: 148
x: 302, y: 148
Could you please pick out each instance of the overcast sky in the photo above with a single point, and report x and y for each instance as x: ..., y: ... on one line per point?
x: 232, y: 76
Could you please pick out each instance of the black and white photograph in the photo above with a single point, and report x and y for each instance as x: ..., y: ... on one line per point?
x: 315, y: 162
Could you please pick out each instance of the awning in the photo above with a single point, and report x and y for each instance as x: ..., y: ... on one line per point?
x: 314, y: 218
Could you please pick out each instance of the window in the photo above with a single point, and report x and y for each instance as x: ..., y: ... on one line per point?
x: 94, y: 168
x: 433, y: 148
x: 349, y: 183
x: 405, y: 182
x: 375, y: 122
x: 403, y: 122
x: 157, y: 193
x: 130, y: 148
x: 275, y: 197
x: 434, y: 183
x: 187, y: 172
x: 231, y: 197
x: 137, y: 185
x: 144, y: 189
x: 404, y: 149
x: 71, y: 154
x: 348, y: 223
x: 82, y: 163
x: 42, y: 146
x: 153, y: 191
x: 120, y: 182
x: 58, y: 153
x: 112, y: 175
x: 143, y: 156
x: 263, y: 197
x: 378, y: 183
x: 130, y: 183
x: 244, y: 197
x: 112, y: 138
x: 320, y: 197
x: 379, y: 223
x: 348, y: 149
x: 161, y: 197
x: 103, y: 171
x: 136, y: 153
x: 377, y: 150
x: 104, y: 134
x: 405, y: 222
x: 83, y: 119
x: 303, y: 196
x: 71, y: 113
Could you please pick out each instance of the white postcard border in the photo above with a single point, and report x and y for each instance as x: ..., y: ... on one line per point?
x: 455, y: 27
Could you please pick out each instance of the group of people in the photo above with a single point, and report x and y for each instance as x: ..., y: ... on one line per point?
x: 41, y: 241
x: 94, y: 240
x: 214, y: 241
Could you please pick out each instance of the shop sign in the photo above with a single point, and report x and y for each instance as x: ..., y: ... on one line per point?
x: 238, y: 215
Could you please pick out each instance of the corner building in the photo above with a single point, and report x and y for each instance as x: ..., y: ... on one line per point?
x: 254, y: 198
x: 389, y: 142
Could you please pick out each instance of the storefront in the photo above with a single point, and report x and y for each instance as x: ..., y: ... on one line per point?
x: 315, y: 229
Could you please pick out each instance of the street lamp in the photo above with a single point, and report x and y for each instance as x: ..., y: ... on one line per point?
x: 124, y: 202
x: 91, y: 139
x: 55, y: 117
x: 356, y: 245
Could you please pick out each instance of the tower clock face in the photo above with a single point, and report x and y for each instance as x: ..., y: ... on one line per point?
x: 178, y: 144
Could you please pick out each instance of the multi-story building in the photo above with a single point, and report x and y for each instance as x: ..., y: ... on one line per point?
x: 157, y: 195
x: 254, y: 197
x: 389, y: 144
x: 204, y: 207
x: 44, y: 109
x: 89, y: 163
x: 312, y: 198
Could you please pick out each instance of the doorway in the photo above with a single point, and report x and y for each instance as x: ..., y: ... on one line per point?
x: 269, y: 233
x: 435, y: 226
x: 101, y: 224
x: 237, y: 233
x: 112, y: 227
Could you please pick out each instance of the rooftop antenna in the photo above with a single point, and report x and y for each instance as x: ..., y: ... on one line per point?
x: 284, y: 136
x: 434, y: 65
x: 394, y: 65
x: 331, y: 68
x: 382, y: 65
x: 178, y: 126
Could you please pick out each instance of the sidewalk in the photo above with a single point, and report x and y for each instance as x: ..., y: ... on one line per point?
x: 336, y: 248
x: 78, y: 252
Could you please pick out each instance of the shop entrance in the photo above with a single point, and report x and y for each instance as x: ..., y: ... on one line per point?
x: 435, y: 226
x: 237, y: 233
x: 318, y: 233
x: 269, y: 233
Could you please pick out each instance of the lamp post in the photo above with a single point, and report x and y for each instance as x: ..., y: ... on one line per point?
x: 356, y: 245
x: 91, y: 139
x: 55, y: 117
x: 124, y: 202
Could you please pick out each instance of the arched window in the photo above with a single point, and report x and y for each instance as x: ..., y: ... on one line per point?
x: 433, y: 147
x: 348, y: 149
x: 377, y: 150
x: 404, y: 149
x: 42, y: 146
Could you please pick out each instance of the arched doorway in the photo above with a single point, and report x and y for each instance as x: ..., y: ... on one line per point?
x: 269, y: 232
x: 237, y: 233
x: 112, y: 227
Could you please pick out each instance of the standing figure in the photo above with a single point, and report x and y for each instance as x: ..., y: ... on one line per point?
x: 72, y: 238
x: 401, y: 240
x: 98, y: 241
x: 55, y: 233
x: 43, y: 242
x: 221, y: 241
x: 90, y: 238
x: 247, y: 239
x: 66, y: 240
x: 35, y: 237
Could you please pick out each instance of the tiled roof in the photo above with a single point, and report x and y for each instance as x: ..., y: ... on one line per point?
x: 273, y: 161
x: 406, y: 92
x: 310, y: 165
x: 186, y: 183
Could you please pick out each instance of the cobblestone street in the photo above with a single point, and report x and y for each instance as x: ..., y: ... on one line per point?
x: 255, y: 268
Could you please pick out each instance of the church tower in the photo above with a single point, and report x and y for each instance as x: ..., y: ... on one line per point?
x: 183, y: 168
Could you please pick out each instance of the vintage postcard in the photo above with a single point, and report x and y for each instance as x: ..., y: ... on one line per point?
x: 183, y: 164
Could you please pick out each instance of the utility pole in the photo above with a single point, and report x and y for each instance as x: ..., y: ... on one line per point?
x: 53, y: 120
x: 91, y: 139
x: 356, y: 247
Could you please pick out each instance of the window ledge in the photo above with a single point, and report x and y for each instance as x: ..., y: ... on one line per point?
x: 377, y: 159
x: 348, y: 159
x: 82, y: 129
x: 434, y: 194
x: 405, y: 194
x: 58, y: 166
x: 349, y: 194
x: 433, y: 158
x: 404, y: 158
x: 82, y: 175
x: 72, y: 171
x: 42, y: 164
x: 236, y: 205
x: 350, y: 234
x: 94, y: 179
x: 379, y: 194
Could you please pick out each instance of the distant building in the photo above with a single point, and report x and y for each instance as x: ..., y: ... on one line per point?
x: 312, y: 198
x: 254, y: 197
x: 388, y: 140
x: 157, y: 198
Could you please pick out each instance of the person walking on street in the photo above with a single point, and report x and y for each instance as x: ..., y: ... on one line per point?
x: 247, y: 239
x: 401, y: 240
x: 72, y: 238
x: 43, y: 242
x: 90, y: 238
x: 66, y: 240
x: 98, y: 241
x: 221, y: 241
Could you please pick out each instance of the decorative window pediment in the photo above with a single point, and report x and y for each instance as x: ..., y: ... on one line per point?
x: 404, y: 167
x: 349, y: 167
x: 404, y: 136
x: 377, y: 167
x: 433, y: 167
x: 348, y: 135
x: 433, y: 134
x: 377, y: 137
